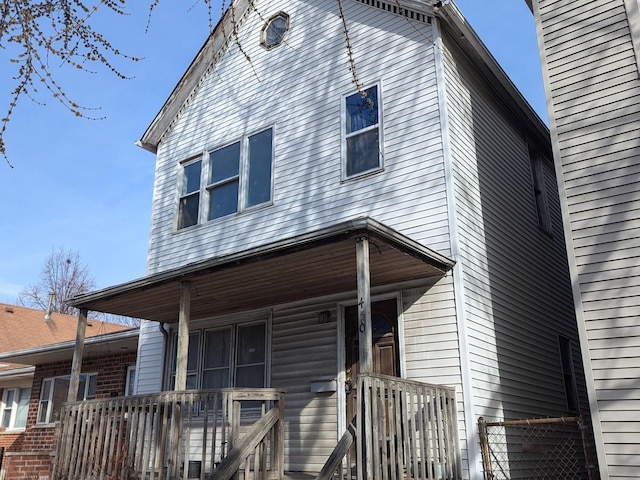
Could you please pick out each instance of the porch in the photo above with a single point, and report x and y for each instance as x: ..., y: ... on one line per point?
x: 402, y: 429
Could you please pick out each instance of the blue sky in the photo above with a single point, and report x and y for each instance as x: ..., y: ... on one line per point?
x: 83, y: 184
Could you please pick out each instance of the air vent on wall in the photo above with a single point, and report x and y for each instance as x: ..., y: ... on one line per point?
x: 398, y: 10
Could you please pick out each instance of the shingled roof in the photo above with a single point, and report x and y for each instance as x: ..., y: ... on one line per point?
x: 23, y: 328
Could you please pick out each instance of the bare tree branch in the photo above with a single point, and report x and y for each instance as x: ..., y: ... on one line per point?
x: 63, y: 274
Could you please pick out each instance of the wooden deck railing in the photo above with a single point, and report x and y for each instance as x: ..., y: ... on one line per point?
x: 172, y: 435
x: 404, y: 429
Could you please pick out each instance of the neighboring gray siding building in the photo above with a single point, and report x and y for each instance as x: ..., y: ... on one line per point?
x: 452, y: 168
x: 589, y: 52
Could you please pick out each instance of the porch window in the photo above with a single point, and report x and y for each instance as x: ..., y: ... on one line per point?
x: 14, y: 408
x: 239, y: 176
x: 233, y: 356
x: 362, y: 132
x: 54, y: 391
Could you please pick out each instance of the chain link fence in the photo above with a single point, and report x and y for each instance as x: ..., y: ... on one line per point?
x: 545, y: 448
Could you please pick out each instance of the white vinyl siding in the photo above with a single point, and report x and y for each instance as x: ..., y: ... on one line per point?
x: 514, y: 274
x: 304, y: 349
x: 409, y: 195
x: 151, y: 358
x: 590, y: 68
x: 431, y: 341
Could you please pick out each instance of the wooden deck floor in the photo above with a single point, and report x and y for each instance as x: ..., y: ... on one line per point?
x: 298, y: 476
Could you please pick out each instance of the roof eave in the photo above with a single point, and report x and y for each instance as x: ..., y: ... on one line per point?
x: 208, y: 54
x: 452, y: 16
x: 46, y: 351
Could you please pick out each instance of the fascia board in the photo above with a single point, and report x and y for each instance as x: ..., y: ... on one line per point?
x: 478, y: 52
x: 209, y: 54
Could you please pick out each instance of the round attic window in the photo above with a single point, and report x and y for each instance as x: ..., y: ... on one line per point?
x: 274, y: 30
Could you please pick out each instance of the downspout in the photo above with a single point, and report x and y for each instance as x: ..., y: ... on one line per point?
x: 165, y: 334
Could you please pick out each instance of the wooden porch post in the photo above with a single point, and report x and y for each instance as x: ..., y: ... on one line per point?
x: 182, y: 353
x: 364, y: 453
x: 78, y: 351
x: 364, y: 305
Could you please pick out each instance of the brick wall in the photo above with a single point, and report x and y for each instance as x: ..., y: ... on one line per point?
x: 27, y: 466
x: 35, y: 458
x: 11, y: 441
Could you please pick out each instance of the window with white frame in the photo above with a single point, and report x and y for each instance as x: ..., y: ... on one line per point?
x: 129, y: 388
x: 231, y: 356
x: 362, y: 132
x: 190, y: 195
x: 14, y: 408
x: 54, y: 391
x: 227, y: 180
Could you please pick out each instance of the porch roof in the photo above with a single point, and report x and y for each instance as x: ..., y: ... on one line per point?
x: 315, y: 264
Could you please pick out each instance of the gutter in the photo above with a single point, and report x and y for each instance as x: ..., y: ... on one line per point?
x: 107, y: 338
x: 21, y: 372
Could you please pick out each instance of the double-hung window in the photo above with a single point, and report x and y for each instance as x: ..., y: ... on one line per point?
x: 231, y: 356
x: 239, y: 176
x: 190, y: 195
x: 362, y: 132
x: 54, y: 391
x: 15, y: 405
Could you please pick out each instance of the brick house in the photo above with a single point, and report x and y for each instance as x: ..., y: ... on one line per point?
x: 35, y: 362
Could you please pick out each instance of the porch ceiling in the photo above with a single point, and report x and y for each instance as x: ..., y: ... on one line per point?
x: 311, y: 265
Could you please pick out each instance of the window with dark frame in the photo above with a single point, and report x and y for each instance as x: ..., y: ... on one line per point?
x: 231, y: 356
x: 362, y: 132
x: 539, y: 190
x: 240, y: 177
x: 568, y: 373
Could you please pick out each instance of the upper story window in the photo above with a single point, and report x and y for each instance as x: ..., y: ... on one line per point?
x: 190, y: 196
x: 14, y: 408
x: 54, y: 393
x: 236, y: 177
x: 539, y: 190
x: 362, y: 132
x: 275, y: 30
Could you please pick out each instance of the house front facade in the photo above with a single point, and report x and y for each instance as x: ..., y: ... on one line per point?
x: 590, y: 60
x: 348, y: 187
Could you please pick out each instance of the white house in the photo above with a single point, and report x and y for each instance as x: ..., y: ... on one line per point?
x: 589, y: 54
x: 354, y: 186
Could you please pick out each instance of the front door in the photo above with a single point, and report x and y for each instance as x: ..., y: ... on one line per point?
x: 384, y: 333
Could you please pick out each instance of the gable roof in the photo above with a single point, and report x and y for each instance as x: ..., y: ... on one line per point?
x: 223, y: 35
x: 23, y: 328
x: 214, y: 48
